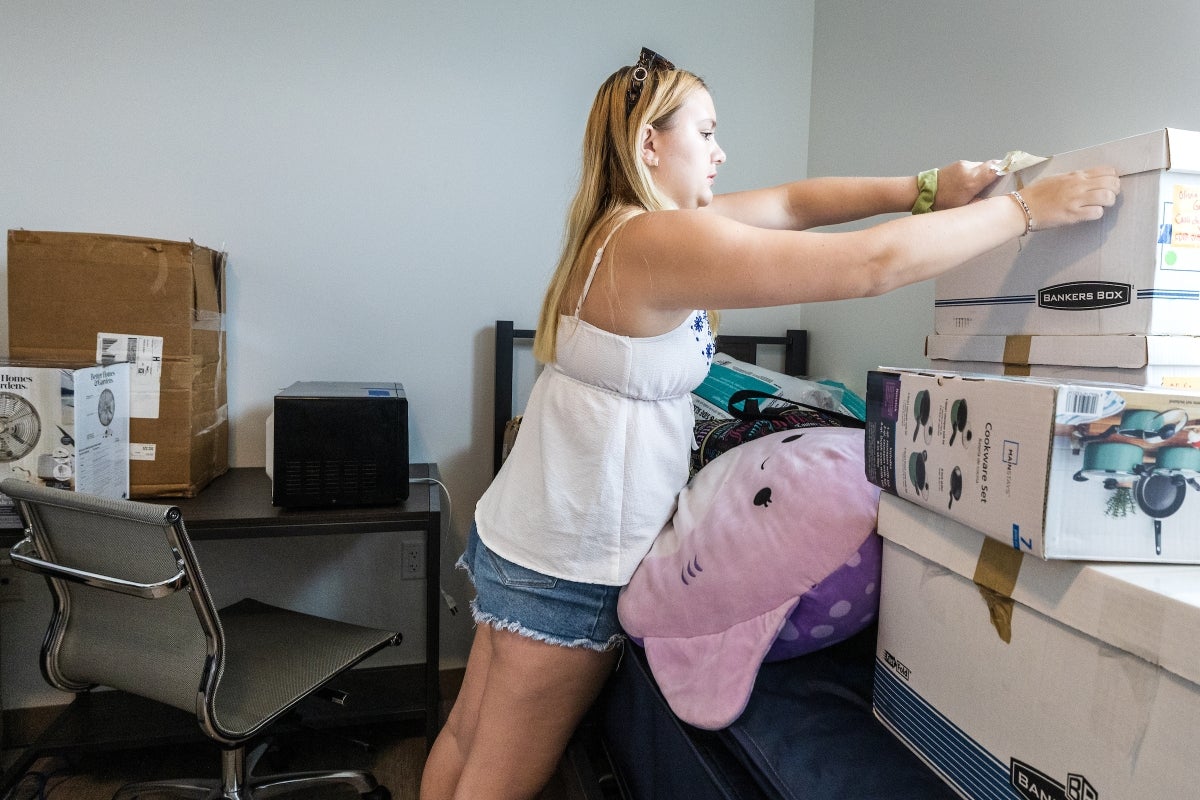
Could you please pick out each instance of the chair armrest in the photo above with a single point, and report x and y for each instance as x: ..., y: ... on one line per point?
x: 20, y: 555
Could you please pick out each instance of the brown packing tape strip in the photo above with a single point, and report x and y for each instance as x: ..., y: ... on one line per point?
x: 1016, y: 349
x: 1016, y: 355
x: 996, y: 574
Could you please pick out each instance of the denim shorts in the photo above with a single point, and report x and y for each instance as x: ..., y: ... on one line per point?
x: 554, y: 610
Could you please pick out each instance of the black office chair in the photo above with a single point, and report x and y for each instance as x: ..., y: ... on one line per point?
x: 154, y: 632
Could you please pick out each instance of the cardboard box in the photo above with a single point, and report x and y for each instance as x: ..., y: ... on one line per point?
x: 64, y: 427
x: 1025, y: 679
x: 92, y: 298
x: 1060, y: 470
x: 1168, y: 361
x: 1135, y: 271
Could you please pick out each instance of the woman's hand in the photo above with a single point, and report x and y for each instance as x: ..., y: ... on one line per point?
x: 961, y: 182
x: 1071, y: 197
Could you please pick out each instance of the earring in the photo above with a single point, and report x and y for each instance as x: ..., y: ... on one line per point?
x: 653, y: 162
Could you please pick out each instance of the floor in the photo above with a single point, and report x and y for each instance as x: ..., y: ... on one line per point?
x: 395, y: 755
x: 395, y: 761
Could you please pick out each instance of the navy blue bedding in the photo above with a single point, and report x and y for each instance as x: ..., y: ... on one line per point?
x: 808, y: 733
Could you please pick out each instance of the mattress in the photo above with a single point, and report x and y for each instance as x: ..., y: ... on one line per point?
x: 808, y: 733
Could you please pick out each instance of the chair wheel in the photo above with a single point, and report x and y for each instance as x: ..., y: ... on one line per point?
x: 378, y: 793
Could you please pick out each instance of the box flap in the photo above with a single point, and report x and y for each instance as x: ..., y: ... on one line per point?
x: 1131, y: 155
x: 1149, y: 610
x: 1165, y: 149
x: 1105, y: 351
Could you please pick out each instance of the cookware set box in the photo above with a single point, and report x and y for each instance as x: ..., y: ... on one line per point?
x: 1059, y: 470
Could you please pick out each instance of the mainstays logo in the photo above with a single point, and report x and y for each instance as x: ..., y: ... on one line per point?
x: 1035, y: 785
x: 1084, y: 295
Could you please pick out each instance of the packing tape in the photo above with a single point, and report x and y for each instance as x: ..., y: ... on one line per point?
x: 996, y: 574
x: 1014, y: 161
x: 1016, y: 349
x: 207, y: 320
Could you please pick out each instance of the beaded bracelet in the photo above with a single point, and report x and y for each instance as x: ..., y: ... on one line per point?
x: 1025, y: 208
x: 926, y: 191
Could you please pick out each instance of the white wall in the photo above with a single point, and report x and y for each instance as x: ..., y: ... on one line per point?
x: 388, y: 178
x: 904, y: 85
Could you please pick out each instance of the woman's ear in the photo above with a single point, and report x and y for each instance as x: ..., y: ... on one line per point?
x: 646, y: 146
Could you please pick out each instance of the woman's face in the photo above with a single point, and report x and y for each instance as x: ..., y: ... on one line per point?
x: 683, y: 159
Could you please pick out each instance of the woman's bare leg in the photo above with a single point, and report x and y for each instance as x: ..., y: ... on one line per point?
x: 449, y: 751
x: 521, y: 700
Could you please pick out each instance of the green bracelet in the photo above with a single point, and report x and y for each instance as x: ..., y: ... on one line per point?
x: 926, y: 191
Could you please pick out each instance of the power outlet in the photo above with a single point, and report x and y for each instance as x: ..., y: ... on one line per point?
x: 412, y: 560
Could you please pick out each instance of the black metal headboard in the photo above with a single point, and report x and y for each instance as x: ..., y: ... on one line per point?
x: 743, y: 348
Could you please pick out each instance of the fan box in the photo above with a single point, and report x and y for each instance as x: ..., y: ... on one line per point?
x: 91, y: 298
x: 1137, y: 270
x: 64, y: 427
x: 1060, y: 470
x: 1169, y: 361
x: 1025, y: 679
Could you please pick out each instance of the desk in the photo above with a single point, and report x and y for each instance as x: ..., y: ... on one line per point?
x: 237, y: 505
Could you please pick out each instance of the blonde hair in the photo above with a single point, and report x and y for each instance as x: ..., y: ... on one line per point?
x: 613, y: 178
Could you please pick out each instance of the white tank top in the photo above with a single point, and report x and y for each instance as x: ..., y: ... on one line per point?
x: 602, y: 451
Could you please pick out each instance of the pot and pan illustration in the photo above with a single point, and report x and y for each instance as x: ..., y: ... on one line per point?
x: 1158, y: 490
x: 922, y: 405
x: 956, y: 486
x: 1112, y: 462
x: 1145, y: 425
x: 916, y: 472
x: 958, y: 422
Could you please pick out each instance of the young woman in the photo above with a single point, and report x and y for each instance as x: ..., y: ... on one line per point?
x: 606, y: 436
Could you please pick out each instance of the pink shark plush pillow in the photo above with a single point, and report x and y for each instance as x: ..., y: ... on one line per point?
x: 771, y: 553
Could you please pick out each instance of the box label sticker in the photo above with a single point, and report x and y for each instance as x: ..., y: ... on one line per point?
x: 1191, y: 382
x: 140, y: 451
x: 146, y: 355
x: 1185, y: 217
x: 1179, y: 228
